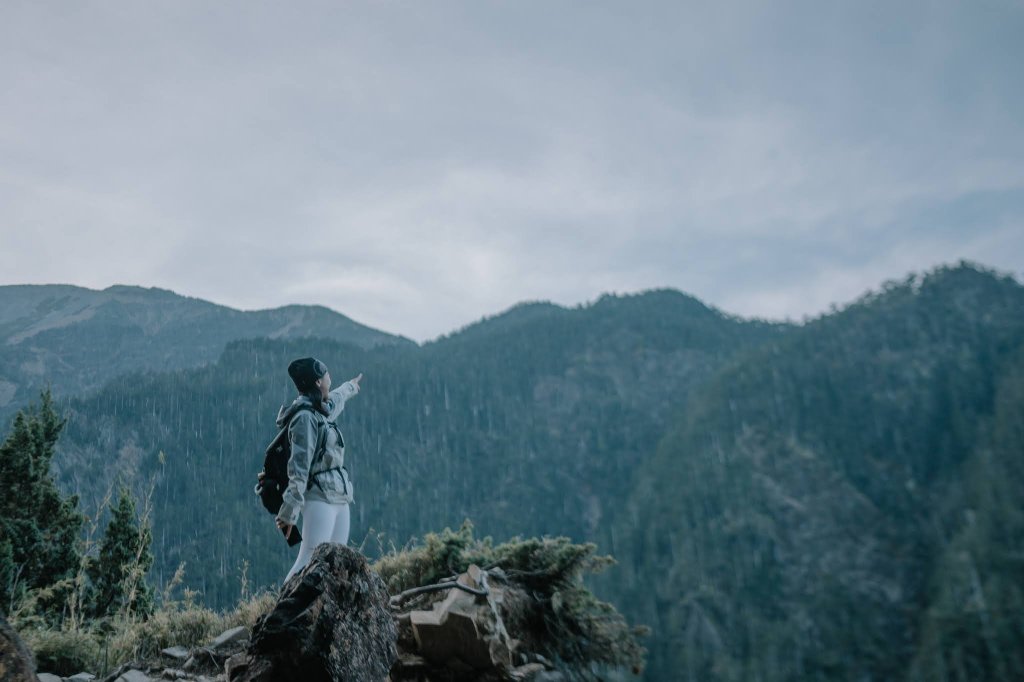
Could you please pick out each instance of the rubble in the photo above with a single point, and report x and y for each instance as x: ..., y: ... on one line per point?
x: 463, y: 636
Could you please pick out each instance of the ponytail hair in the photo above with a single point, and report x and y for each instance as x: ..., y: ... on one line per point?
x: 317, y: 399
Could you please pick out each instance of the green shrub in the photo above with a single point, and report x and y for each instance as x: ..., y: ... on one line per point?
x: 63, y: 652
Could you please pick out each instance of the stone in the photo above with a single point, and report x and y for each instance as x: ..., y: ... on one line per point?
x: 460, y: 628
x: 16, y: 661
x: 80, y: 677
x: 177, y: 654
x: 236, y: 665
x: 229, y: 637
x: 450, y: 631
x: 332, y: 621
x: 134, y: 676
x: 205, y: 660
x: 173, y: 674
x: 44, y: 677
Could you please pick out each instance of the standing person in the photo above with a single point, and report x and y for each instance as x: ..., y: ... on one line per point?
x: 318, y: 484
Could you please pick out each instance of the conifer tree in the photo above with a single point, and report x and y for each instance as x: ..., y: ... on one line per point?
x: 39, y: 528
x: 118, y: 575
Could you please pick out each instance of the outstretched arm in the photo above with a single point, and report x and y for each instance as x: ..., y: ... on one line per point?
x: 341, y: 394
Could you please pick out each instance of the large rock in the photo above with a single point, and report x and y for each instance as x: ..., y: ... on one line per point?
x: 331, y: 623
x: 484, y: 631
x: 16, y: 662
x: 463, y: 627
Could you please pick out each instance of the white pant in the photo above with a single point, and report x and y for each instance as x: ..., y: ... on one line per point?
x: 321, y: 522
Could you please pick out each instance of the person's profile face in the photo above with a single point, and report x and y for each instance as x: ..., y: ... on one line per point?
x: 325, y: 384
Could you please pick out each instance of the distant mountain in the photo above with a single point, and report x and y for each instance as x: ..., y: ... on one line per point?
x: 78, y: 339
x: 833, y: 500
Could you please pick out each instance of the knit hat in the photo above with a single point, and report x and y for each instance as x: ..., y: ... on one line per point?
x: 305, y: 371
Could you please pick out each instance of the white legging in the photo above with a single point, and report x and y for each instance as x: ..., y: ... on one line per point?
x: 321, y: 522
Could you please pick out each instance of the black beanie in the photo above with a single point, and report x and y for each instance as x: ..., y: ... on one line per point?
x: 305, y: 371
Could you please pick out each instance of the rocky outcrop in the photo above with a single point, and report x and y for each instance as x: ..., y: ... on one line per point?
x: 334, y: 621
x: 331, y: 622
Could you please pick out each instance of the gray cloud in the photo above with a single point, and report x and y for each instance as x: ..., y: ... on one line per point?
x: 419, y: 165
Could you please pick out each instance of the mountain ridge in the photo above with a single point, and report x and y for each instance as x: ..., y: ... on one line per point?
x: 77, y: 337
x: 814, y: 475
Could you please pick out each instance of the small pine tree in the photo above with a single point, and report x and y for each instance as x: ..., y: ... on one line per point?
x: 38, y: 527
x: 117, y: 575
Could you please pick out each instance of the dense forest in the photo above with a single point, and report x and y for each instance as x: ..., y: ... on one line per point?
x: 845, y: 502
x: 838, y: 499
x: 526, y: 423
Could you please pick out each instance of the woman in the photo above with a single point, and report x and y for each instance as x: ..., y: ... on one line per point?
x: 318, y: 483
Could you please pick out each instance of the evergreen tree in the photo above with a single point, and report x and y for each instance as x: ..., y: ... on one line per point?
x: 38, y: 527
x: 117, y: 576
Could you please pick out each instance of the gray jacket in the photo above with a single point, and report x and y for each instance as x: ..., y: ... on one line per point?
x: 326, y: 481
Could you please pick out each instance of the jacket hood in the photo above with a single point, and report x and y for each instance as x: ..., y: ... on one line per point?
x: 284, y: 414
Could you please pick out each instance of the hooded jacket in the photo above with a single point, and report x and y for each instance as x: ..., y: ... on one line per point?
x: 303, y: 433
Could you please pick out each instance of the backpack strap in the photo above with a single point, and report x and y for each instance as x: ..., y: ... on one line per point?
x: 317, y: 481
x: 315, y: 477
x: 319, y: 448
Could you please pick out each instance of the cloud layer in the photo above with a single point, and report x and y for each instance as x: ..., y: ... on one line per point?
x: 419, y: 165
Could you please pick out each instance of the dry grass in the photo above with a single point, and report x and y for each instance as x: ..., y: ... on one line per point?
x: 102, y: 645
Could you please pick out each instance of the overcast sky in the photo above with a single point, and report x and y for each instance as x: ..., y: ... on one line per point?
x: 418, y: 165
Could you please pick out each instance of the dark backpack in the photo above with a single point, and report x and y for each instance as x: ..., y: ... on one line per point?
x: 274, y: 479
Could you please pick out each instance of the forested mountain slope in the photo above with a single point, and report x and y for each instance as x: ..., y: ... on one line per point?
x: 78, y: 338
x: 532, y: 431
x: 844, y: 502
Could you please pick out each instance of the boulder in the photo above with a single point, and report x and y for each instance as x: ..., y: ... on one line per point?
x: 16, y: 662
x: 464, y: 631
x: 463, y: 636
x: 332, y: 622
x: 44, y: 677
x: 451, y: 631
